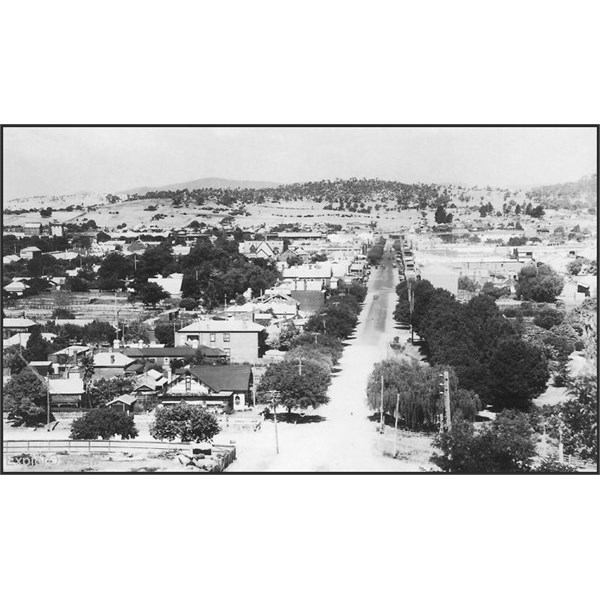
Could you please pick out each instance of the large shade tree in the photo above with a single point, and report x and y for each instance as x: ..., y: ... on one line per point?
x: 416, y: 387
x: 184, y: 422
x: 24, y: 399
x: 518, y: 372
x: 540, y: 283
x: 296, y: 384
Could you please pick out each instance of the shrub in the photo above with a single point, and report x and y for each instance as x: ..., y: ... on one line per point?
x: 105, y: 423
x: 184, y: 422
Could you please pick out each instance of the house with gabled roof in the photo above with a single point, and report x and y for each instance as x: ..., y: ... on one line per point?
x: 226, y: 386
x: 114, y: 364
x: 269, y: 250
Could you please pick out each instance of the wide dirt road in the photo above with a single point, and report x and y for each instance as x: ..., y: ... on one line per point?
x: 345, y: 440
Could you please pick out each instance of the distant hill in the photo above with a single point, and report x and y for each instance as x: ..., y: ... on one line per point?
x: 567, y: 195
x: 207, y: 182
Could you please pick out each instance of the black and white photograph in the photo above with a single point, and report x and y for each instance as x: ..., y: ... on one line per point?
x: 299, y: 300
x: 316, y: 299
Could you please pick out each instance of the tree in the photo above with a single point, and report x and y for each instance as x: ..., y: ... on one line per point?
x: 137, y: 331
x: 335, y: 319
x: 440, y: 215
x: 518, y: 372
x: 103, y: 236
x: 465, y: 283
x: 184, y: 422
x: 297, y: 389
x: 63, y: 313
x: 12, y: 360
x: 87, y: 373
x: 323, y: 343
x: 574, y: 267
x: 105, y: 423
x: 580, y: 416
x: 77, y: 284
x: 548, y: 318
x: 149, y: 293
x: 418, y: 387
x: 188, y: 304
x: 105, y: 390
x: 98, y: 332
x: 539, y: 282
x: 505, y: 446
x: 25, y: 399
x: 537, y: 212
x: 164, y: 334
x: 116, y: 266
x: 283, y: 338
x: 37, y: 347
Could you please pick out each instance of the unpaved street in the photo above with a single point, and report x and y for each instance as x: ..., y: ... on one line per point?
x: 345, y: 440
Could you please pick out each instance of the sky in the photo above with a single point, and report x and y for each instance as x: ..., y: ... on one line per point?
x: 41, y: 161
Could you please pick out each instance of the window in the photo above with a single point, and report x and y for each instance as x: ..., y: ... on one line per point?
x: 213, y: 337
x: 227, y: 351
x: 226, y: 337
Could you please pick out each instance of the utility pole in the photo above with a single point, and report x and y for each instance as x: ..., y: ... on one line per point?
x: 396, y: 415
x: 381, y: 408
x: 300, y: 366
x: 275, y: 398
x: 47, y: 401
x: 445, y: 393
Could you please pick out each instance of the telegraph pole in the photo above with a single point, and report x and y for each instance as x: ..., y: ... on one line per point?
x: 381, y: 408
x: 47, y: 401
x: 445, y: 393
x: 275, y: 398
x: 396, y: 415
x: 300, y: 366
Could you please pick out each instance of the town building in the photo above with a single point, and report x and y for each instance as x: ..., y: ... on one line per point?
x: 114, y: 364
x: 124, y: 402
x: 30, y: 252
x: 17, y: 286
x: 238, y: 338
x: 311, y: 277
x: 43, y: 367
x: 16, y: 325
x: 66, y: 392
x: 171, y: 284
x: 269, y: 250
x: 32, y: 229
x: 150, y: 382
